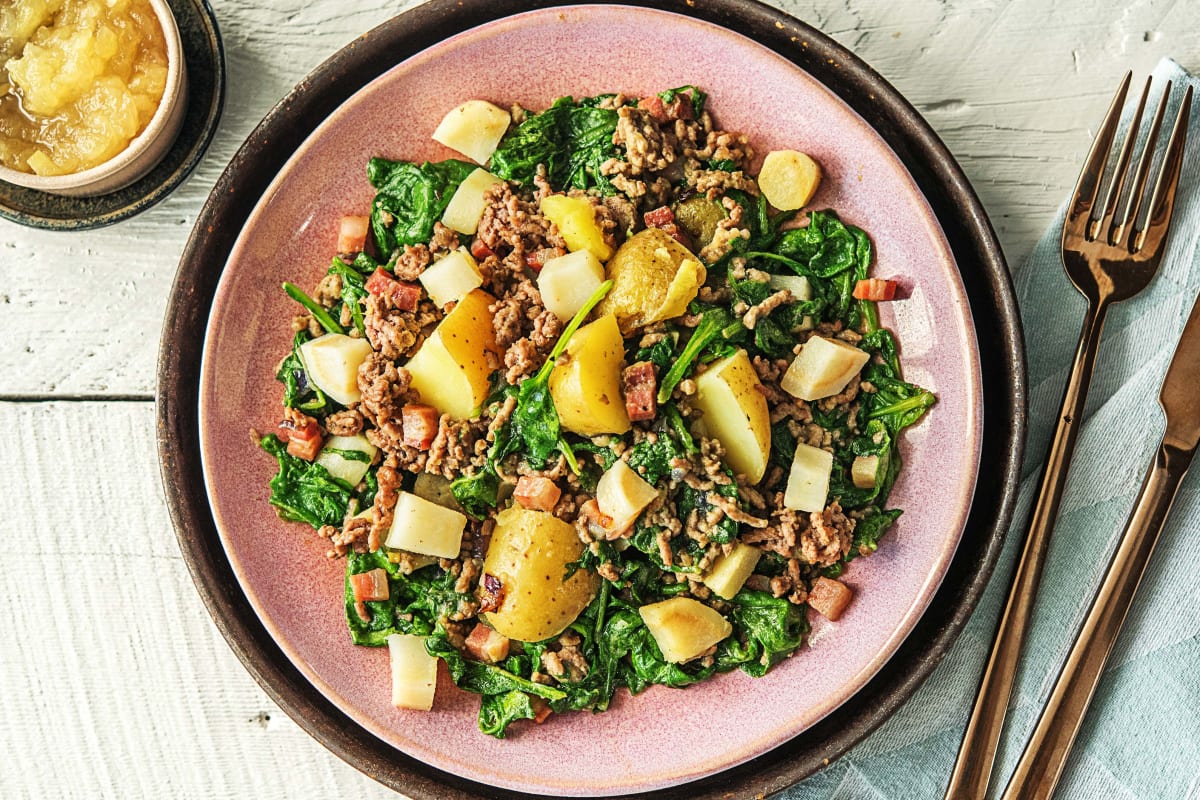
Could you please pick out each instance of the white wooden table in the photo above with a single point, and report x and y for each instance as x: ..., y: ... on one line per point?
x: 113, y: 680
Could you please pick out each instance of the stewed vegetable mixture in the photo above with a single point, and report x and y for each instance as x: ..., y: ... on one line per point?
x: 595, y: 409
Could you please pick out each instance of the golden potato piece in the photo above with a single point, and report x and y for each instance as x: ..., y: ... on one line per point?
x: 587, y: 389
x: 654, y: 278
x: 684, y: 628
x: 528, y: 553
x: 450, y: 372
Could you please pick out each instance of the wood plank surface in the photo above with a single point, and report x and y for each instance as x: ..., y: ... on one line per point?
x: 116, y: 683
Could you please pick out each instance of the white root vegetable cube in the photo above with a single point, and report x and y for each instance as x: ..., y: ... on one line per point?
x: 863, y: 471
x: 800, y: 288
x: 684, y: 628
x: 452, y: 277
x: 808, y: 481
x: 426, y: 528
x: 823, y: 368
x: 729, y: 574
x: 473, y: 129
x: 788, y: 179
x: 332, y: 361
x: 622, y: 494
x: 351, y: 469
x: 465, y: 208
x: 566, y: 282
x: 414, y: 672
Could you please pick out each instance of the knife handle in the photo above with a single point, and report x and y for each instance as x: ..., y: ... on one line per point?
x: 1046, y: 753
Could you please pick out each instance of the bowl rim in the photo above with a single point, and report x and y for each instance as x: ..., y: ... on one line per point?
x: 282, y: 131
x: 173, y: 95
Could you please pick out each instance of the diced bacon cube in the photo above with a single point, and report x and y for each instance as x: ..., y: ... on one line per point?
x: 404, y: 296
x: 875, y: 289
x: 655, y: 106
x: 352, y: 234
x: 371, y: 585
x: 303, y: 435
x: 829, y: 598
x: 537, y: 493
x: 487, y: 645
x: 480, y: 250
x: 640, y: 387
x: 659, y: 217
x: 536, y: 259
x: 420, y: 425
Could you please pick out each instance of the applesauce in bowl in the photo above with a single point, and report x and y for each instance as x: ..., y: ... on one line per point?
x: 89, y: 92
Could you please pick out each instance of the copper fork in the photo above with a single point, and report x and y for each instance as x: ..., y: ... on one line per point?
x: 1112, y: 245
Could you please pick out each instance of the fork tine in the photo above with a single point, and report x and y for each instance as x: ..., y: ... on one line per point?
x: 1112, y: 194
x: 1134, y: 200
x: 1093, y: 168
x: 1163, y: 205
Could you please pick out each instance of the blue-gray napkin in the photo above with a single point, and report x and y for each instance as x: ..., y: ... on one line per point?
x: 1141, y: 738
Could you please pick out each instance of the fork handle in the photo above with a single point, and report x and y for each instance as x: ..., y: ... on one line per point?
x: 973, y: 766
x: 1046, y: 753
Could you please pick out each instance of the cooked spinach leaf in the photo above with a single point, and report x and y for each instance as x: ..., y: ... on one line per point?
x: 571, y: 139
x: 304, y: 491
x: 298, y: 392
x: 771, y: 628
x: 410, y: 199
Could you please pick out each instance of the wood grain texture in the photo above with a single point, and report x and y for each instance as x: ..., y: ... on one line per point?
x: 120, y: 686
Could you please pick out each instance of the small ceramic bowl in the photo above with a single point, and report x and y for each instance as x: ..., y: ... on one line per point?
x: 146, y: 149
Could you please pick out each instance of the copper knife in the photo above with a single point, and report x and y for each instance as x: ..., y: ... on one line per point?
x: 1045, y: 755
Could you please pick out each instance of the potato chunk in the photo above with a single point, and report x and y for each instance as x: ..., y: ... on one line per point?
x: 414, y: 672
x: 736, y: 413
x: 684, y: 628
x: 332, y: 363
x: 863, y: 471
x: 473, y: 129
x: 586, y: 389
x: 451, y: 277
x: 621, y: 494
x: 823, y: 368
x: 788, y: 179
x: 566, y: 282
x: 729, y: 574
x: 338, y: 459
x: 528, y: 554
x: 451, y: 372
x: 808, y: 481
x: 575, y: 218
x: 426, y: 528
x: 466, y: 206
x: 654, y: 278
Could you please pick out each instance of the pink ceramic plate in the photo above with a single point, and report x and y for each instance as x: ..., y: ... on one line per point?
x: 531, y: 59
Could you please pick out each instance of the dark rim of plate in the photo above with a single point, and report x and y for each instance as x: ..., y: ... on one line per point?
x: 205, y: 57
x: 971, y: 237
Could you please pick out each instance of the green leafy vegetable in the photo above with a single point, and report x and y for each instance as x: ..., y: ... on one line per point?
x: 411, y: 199
x: 304, y: 491
x: 715, y: 323
x: 320, y: 314
x: 298, y: 391
x: 571, y: 139
x: 772, y: 626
